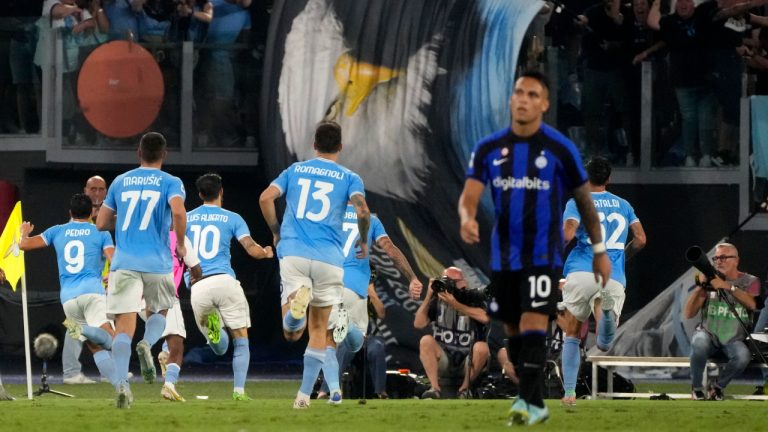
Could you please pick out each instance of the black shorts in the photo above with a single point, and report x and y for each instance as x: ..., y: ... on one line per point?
x: 528, y: 290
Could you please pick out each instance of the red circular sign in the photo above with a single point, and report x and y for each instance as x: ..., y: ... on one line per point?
x: 120, y: 89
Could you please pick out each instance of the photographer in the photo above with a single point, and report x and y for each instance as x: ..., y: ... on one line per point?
x: 719, y: 330
x: 458, y: 325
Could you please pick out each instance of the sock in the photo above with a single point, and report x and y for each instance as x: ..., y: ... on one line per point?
x: 533, y: 354
x: 172, y: 373
x: 221, y: 347
x: 291, y: 324
x: 354, y: 340
x: 165, y: 346
x: 571, y: 358
x: 99, y: 336
x: 606, y: 329
x: 106, y: 365
x: 241, y: 358
x: 154, y: 328
x: 313, y: 362
x: 513, y: 349
x: 240, y: 390
x: 121, y: 354
x: 331, y: 370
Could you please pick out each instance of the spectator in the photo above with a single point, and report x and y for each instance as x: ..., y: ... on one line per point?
x: 22, y: 50
x: 122, y: 18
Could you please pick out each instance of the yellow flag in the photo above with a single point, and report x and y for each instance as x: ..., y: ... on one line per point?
x: 11, y: 257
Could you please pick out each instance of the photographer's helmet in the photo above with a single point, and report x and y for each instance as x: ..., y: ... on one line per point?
x: 457, y: 275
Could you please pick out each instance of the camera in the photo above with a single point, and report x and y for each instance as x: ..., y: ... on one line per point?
x: 444, y: 284
x: 469, y: 297
x: 698, y: 259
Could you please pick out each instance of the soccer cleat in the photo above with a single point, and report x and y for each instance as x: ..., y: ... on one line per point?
x: 301, y: 403
x: 162, y: 358
x: 124, y: 398
x: 74, y: 330
x: 537, y: 415
x: 464, y: 394
x: 335, y: 399
x: 698, y: 395
x: 759, y: 391
x: 321, y: 395
x: 169, y: 393
x: 237, y: 396
x: 213, y: 322
x: 300, y: 302
x: 431, y: 394
x: 341, y: 326
x: 4, y: 396
x: 79, y: 379
x: 607, y: 301
x: 144, y: 352
x: 568, y: 401
x: 716, y: 393
x: 518, y: 413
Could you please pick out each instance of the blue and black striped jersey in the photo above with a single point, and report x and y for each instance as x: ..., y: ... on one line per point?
x: 529, y: 181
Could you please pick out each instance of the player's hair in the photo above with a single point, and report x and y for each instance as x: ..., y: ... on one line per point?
x: 598, y: 170
x: 152, y: 146
x: 80, y: 205
x: 538, y: 76
x: 208, y: 186
x: 328, y: 137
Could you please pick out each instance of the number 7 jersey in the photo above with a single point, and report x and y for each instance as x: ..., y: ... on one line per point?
x: 141, y: 199
x: 316, y: 195
x: 616, y: 215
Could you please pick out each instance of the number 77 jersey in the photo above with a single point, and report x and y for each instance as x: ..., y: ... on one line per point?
x: 141, y: 199
x: 316, y: 195
x: 616, y: 215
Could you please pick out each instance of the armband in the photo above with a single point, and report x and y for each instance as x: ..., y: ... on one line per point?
x: 598, y: 248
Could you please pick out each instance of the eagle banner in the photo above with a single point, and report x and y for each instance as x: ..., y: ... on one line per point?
x: 414, y: 85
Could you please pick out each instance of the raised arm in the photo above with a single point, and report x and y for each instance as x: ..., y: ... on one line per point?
x: 401, y: 262
x: 30, y: 243
x: 694, y: 303
x: 468, y: 202
x: 267, y: 204
x: 421, y: 318
x: 363, y: 222
x: 654, y: 16
x: 105, y: 221
x: 601, y: 265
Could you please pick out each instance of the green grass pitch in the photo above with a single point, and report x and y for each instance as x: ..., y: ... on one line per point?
x: 93, y: 410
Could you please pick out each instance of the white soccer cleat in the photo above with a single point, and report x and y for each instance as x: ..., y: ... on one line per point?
x: 79, y: 379
x: 74, y: 330
x: 162, y: 358
x: 335, y: 399
x: 300, y: 302
x: 168, y: 392
x: 607, y: 301
x: 301, y: 402
x: 144, y: 352
x: 341, y: 326
x: 124, y: 397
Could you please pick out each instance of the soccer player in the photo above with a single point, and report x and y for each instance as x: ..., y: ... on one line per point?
x: 357, y: 275
x: 581, y: 294
x: 218, y: 300
x: 529, y: 167
x: 80, y: 250
x: 310, y: 243
x: 140, y: 205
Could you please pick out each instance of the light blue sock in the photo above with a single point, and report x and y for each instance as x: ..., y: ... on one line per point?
x: 121, y: 354
x: 106, y: 365
x: 99, y: 336
x: 154, y: 328
x: 241, y: 358
x: 606, y: 329
x: 291, y: 324
x: 354, y: 340
x: 571, y: 358
x: 221, y: 347
x: 172, y: 373
x: 165, y: 346
x: 313, y: 362
x: 331, y: 370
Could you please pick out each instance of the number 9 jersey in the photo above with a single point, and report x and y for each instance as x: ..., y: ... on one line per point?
x: 141, y: 199
x: 616, y: 215
x: 316, y: 195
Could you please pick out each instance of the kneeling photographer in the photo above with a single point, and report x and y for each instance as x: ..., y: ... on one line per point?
x: 720, y: 331
x: 457, y: 345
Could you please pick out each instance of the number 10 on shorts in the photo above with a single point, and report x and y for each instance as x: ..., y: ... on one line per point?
x: 541, y: 286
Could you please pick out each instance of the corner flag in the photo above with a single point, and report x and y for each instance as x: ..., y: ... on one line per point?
x: 11, y: 257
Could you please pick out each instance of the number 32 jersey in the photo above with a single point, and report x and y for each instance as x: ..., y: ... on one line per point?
x: 141, y: 198
x: 316, y: 195
x: 211, y: 230
x: 616, y: 215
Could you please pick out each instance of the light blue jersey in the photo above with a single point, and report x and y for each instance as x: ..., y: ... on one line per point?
x: 316, y: 194
x: 211, y: 230
x: 80, y: 254
x: 141, y: 198
x: 616, y: 215
x: 357, y: 272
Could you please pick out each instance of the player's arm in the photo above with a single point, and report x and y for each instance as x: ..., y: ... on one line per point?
x: 421, y: 318
x: 569, y: 230
x: 401, y: 262
x: 468, y: 202
x: 105, y: 221
x: 601, y: 265
x: 267, y: 204
x: 363, y: 222
x: 695, y: 302
x: 30, y: 243
x: 378, y: 305
x: 638, y: 240
x: 179, y: 216
x: 254, y: 249
x: 109, y: 251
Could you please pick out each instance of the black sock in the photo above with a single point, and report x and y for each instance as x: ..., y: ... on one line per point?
x: 514, y: 343
x: 533, y: 355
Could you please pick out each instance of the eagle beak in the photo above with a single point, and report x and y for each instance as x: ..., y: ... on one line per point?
x: 356, y: 80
